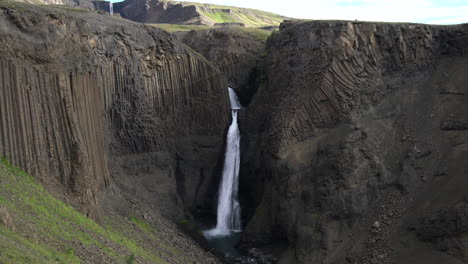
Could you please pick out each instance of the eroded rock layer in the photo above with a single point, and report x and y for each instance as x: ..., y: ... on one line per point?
x: 362, y: 126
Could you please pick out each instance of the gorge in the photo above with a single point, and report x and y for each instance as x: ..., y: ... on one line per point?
x: 354, y: 140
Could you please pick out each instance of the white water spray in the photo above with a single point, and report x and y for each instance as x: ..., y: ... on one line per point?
x: 228, y: 214
x: 111, y: 9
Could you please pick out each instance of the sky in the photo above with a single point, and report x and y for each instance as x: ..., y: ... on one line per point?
x: 418, y: 11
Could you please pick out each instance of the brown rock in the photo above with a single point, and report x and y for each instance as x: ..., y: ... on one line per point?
x: 6, y: 218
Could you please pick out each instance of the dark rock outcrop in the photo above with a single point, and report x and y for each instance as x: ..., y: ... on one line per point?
x: 117, y: 113
x: 236, y: 52
x: 229, y: 24
x: 347, y: 138
x: 447, y: 230
x: 102, y: 5
x: 153, y: 11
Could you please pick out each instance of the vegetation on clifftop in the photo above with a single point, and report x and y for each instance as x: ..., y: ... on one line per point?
x: 259, y: 34
x: 177, y: 28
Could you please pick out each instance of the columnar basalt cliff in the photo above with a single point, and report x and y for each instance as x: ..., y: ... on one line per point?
x: 117, y: 113
x: 357, y: 142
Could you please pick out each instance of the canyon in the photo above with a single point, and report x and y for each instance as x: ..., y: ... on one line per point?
x: 354, y: 134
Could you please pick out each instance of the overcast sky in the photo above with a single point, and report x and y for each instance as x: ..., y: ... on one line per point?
x: 421, y: 11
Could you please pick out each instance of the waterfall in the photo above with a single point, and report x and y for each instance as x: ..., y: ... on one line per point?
x: 228, y: 214
x: 111, y: 9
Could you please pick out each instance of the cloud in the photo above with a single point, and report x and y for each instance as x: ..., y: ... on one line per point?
x: 352, y: 3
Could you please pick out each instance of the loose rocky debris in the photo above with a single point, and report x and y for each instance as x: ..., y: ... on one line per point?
x: 253, y: 256
x: 261, y: 257
x: 378, y: 244
x: 6, y: 218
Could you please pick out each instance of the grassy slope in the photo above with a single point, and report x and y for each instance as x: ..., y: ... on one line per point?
x: 257, y: 33
x: 47, y: 230
x: 249, y: 19
x: 177, y: 28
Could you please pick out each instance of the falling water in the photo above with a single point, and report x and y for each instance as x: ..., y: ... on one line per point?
x: 228, y: 215
x: 111, y: 9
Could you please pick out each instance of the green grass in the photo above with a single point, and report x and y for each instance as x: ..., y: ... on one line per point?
x: 50, y: 231
x: 239, y: 16
x: 18, y: 249
x: 70, y: 9
x: 219, y: 17
x: 176, y: 28
x: 259, y: 34
x: 142, y: 224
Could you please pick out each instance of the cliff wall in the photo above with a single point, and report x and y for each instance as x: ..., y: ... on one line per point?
x: 360, y: 127
x: 85, y: 98
x: 158, y: 12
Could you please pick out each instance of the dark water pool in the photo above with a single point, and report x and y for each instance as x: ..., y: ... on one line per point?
x: 224, y: 243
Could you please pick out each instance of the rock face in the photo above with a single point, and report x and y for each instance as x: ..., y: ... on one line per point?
x: 236, y: 52
x: 102, y: 5
x: 354, y: 147
x: 158, y: 12
x: 117, y: 113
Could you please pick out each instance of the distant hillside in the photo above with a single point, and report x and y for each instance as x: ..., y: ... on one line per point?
x: 179, y: 13
x: 84, y: 4
x: 188, y: 13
